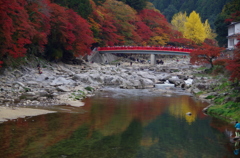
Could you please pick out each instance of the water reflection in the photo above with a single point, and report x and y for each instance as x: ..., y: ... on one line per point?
x: 120, y: 124
x: 182, y: 105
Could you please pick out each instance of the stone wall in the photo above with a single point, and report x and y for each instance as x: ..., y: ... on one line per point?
x: 101, y: 58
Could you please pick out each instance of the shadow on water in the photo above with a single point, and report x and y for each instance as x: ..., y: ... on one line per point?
x: 120, y: 123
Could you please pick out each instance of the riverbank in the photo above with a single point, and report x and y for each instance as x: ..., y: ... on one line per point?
x: 222, y: 95
x: 65, y: 84
x: 7, y: 113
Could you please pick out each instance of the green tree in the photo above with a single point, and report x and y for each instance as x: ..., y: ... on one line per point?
x: 194, y: 29
x: 137, y: 4
x: 99, y: 2
x: 188, y: 6
x: 170, y: 11
x: 82, y: 7
x: 220, y: 25
x: 221, y: 30
x: 207, y: 9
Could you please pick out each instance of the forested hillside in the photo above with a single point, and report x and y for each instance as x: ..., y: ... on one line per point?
x: 61, y: 30
x: 208, y: 9
x: 65, y: 29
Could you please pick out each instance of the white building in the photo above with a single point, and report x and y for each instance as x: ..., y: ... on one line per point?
x: 233, y: 32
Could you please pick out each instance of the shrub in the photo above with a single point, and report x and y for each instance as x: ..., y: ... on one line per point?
x: 210, y: 97
x: 89, y: 88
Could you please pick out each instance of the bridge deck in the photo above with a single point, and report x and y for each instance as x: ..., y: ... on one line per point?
x: 145, y: 50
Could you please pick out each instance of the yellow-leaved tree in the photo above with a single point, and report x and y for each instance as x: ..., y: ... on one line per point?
x: 178, y: 21
x: 158, y: 40
x: 194, y: 28
x: 209, y: 32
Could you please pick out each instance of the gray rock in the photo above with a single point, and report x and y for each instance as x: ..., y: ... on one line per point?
x: 195, y: 91
x: 63, y: 89
x: 29, y: 94
x: 61, y: 81
x: 19, y: 83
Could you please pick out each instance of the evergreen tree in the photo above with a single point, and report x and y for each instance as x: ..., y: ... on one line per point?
x: 136, y: 4
x: 207, y: 9
x: 82, y: 7
x: 170, y: 11
x: 194, y: 29
x: 221, y: 25
x: 99, y: 2
x: 188, y: 6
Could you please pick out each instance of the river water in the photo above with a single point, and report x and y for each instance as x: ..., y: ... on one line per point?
x: 118, y: 123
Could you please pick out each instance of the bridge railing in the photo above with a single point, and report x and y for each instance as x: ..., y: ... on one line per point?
x: 180, y: 49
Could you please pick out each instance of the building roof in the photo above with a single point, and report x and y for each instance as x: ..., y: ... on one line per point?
x: 234, y: 23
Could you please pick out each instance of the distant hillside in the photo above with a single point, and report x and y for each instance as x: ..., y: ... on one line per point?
x: 208, y: 9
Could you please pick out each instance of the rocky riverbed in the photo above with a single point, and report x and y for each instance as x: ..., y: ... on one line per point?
x: 65, y: 84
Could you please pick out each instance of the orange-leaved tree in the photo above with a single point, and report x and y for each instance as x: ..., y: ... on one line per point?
x: 234, y: 65
x: 104, y: 27
x: 206, y: 53
x: 122, y: 15
x: 158, y: 24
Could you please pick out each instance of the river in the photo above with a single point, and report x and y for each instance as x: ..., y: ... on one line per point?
x: 120, y: 123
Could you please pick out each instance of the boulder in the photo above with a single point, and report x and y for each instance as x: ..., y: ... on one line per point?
x: 61, y: 81
x: 63, y: 89
x: 176, y: 82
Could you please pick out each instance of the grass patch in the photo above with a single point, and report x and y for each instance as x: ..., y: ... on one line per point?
x: 116, y: 61
x: 201, y: 68
x: 210, y: 97
x: 199, y: 93
x: 219, y: 100
x: 224, y: 86
x: 78, y: 95
x: 228, y: 111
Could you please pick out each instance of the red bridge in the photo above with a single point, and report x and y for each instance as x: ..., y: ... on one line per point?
x: 145, y: 50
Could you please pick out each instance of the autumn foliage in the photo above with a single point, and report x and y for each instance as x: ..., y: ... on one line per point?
x: 234, y: 65
x: 69, y: 32
x: 55, y: 29
x: 206, y: 53
x: 14, y: 33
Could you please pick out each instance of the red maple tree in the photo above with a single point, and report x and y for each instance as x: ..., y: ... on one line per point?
x: 80, y: 37
x: 16, y: 30
x: 178, y: 39
x: 233, y: 17
x: 69, y: 31
x: 234, y: 65
x: 143, y: 31
x: 39, y: 15
x: 206, y: 53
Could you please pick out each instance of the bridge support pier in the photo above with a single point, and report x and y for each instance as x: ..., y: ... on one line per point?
x: 153, y: 59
